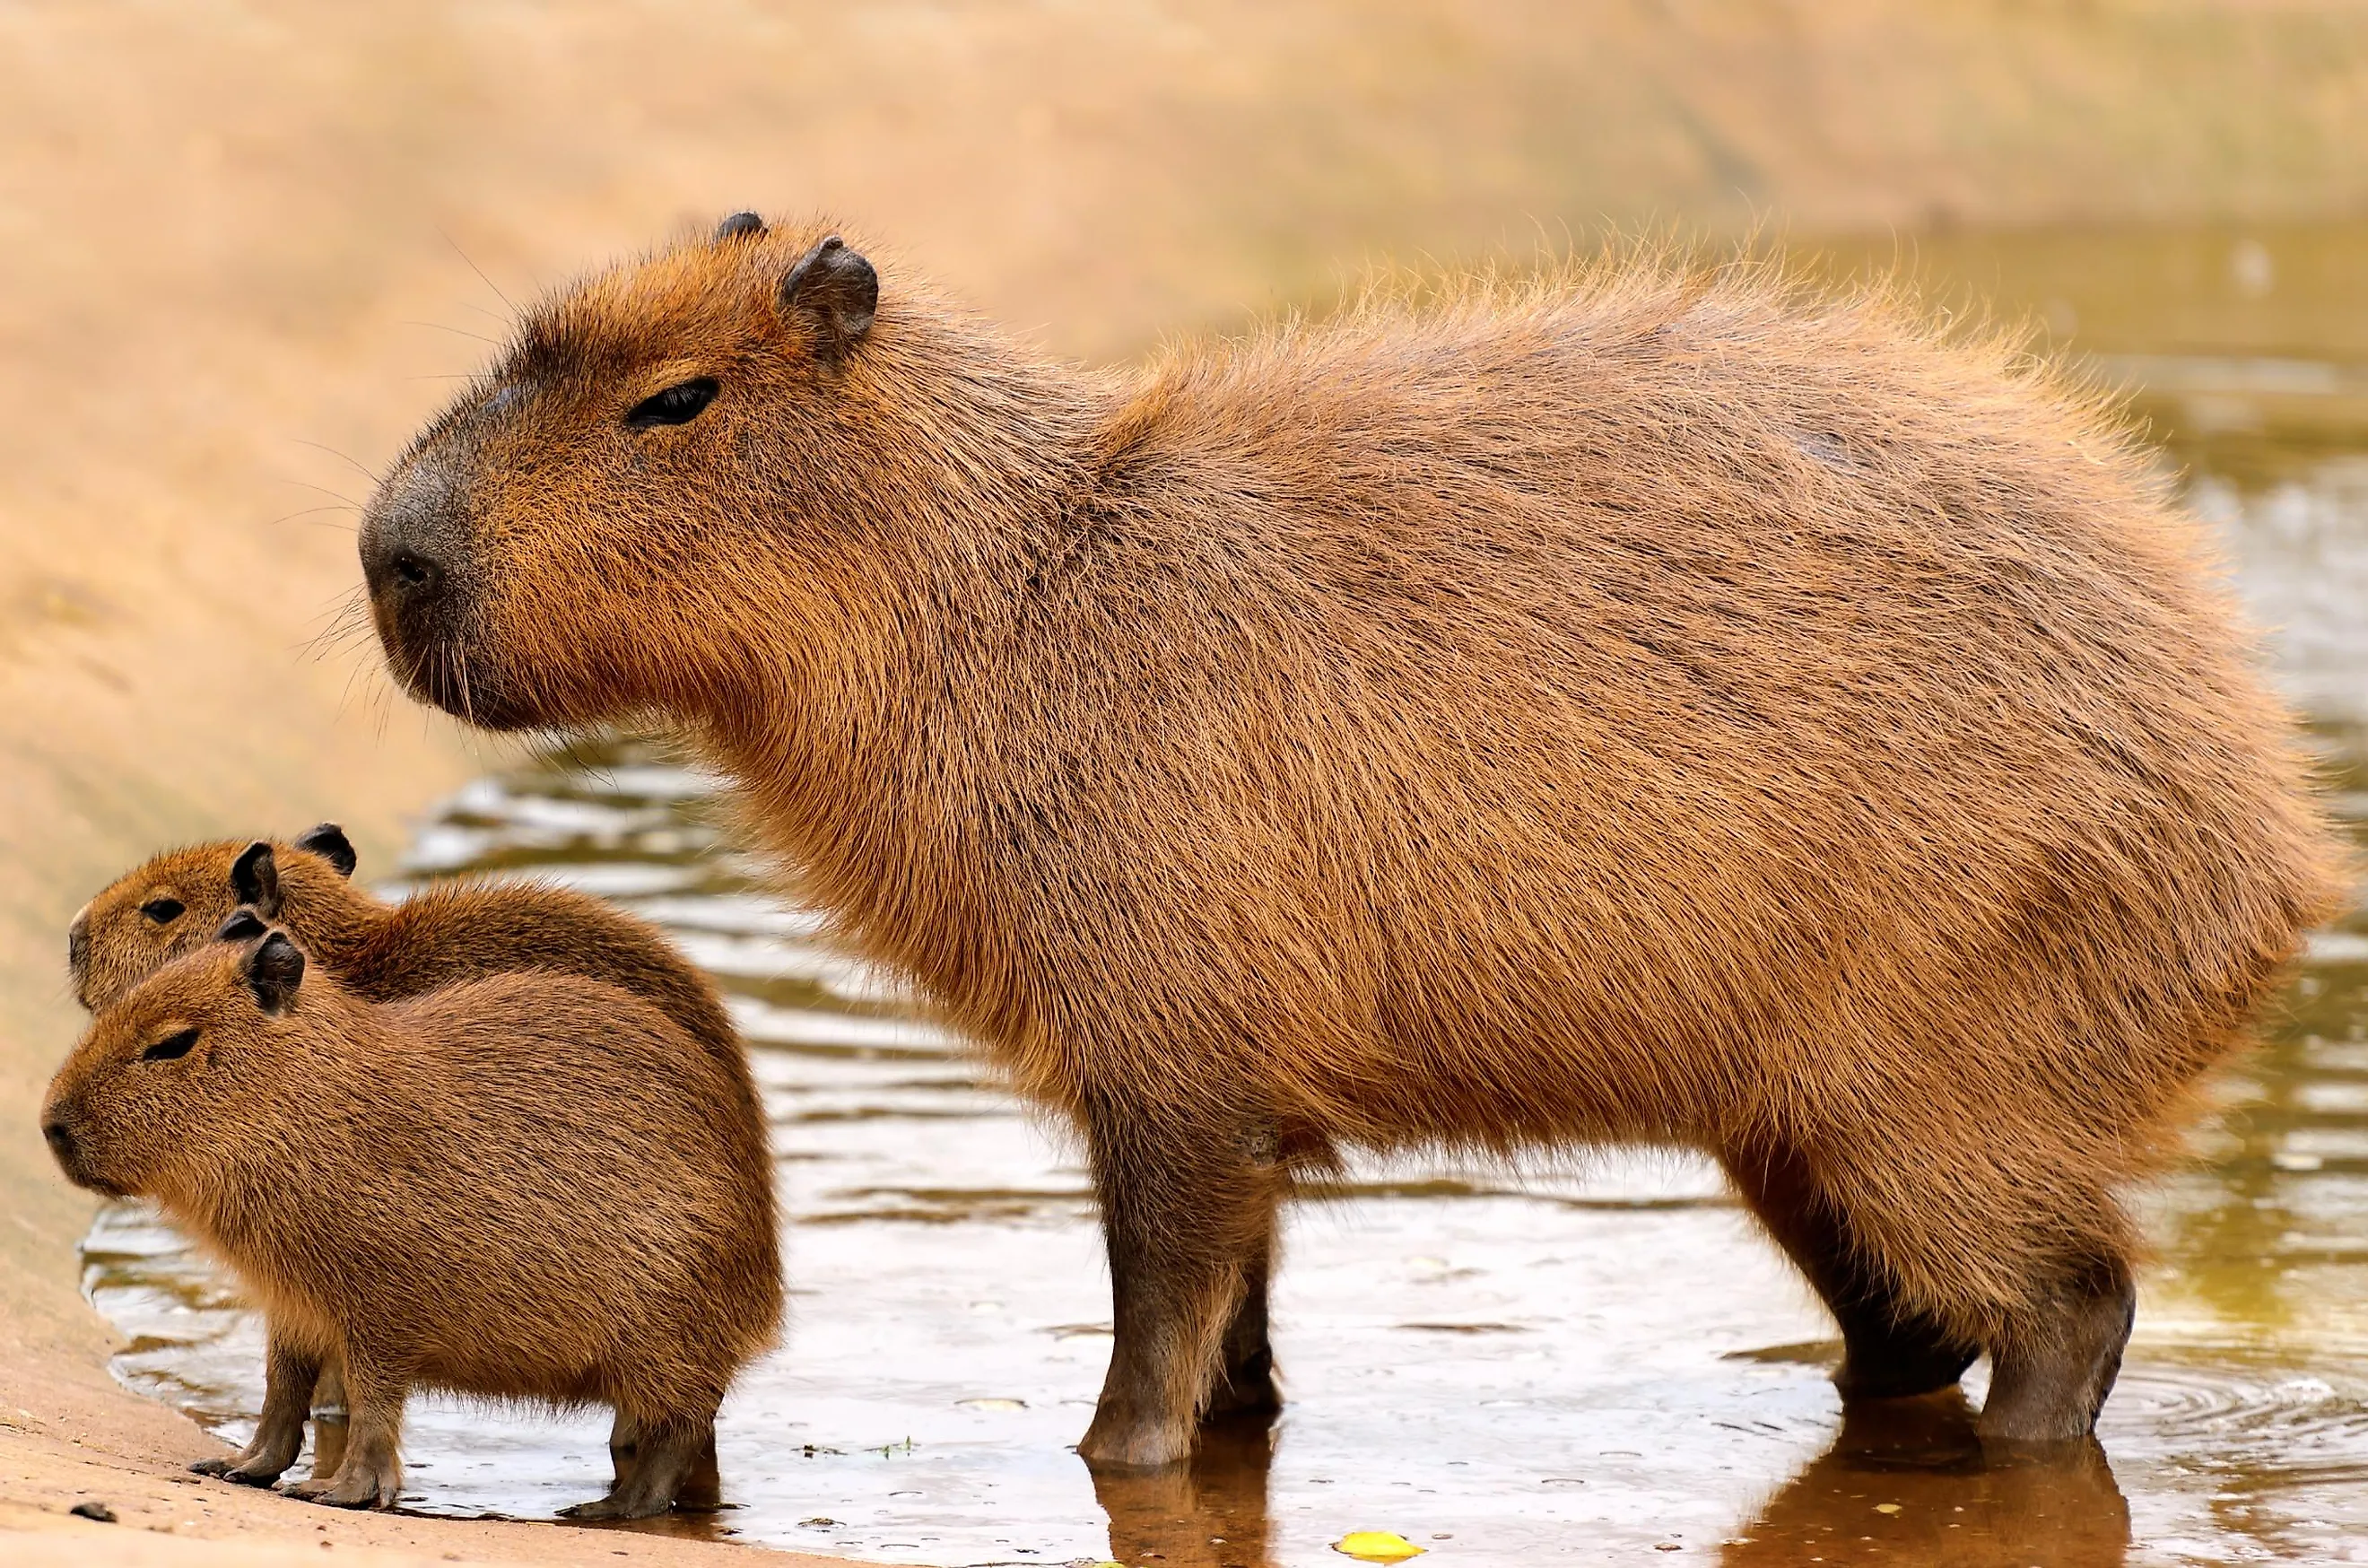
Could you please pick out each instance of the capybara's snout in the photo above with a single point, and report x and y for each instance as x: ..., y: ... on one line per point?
x: 60, y: 1138
x: 67, y: 1134
x: 417, y: 566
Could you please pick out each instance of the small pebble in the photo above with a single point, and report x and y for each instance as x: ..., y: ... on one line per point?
x: 99, y: 1511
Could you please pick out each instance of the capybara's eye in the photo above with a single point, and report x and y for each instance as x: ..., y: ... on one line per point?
x: 163, y: 911
x: 171, y: 1046
x: 676, y: 405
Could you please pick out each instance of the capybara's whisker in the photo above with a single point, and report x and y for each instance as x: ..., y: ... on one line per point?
x: 347, y: 457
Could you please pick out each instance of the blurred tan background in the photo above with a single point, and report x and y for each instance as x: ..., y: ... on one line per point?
x: 240, y: 247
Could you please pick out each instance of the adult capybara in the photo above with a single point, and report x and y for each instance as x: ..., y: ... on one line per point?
x: 527, y: 1186
x: 447, y: 931
x: 1650, y: 704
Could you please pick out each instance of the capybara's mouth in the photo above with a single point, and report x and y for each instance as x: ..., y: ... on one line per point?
x: 73, y: 1159
x: 442, y: 672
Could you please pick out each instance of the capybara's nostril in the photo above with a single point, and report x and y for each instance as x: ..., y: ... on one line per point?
x: 414, y: 572
x: 61, y: 1141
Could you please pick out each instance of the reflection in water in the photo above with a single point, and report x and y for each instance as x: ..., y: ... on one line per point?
x: 1907, y: 1482
x: 1213, y: 1515
x: 1586, y: 1365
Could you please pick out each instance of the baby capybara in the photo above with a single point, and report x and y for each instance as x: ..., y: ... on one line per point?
x: 527, y: 1186
x: 1650, y: 704
x: 381, y: 952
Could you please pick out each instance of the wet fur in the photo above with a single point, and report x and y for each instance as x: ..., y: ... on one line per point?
x: 524, y: 1185
x: 1649, y: 704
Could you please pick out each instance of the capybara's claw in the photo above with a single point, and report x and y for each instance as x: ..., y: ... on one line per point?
x: 212, y: 1467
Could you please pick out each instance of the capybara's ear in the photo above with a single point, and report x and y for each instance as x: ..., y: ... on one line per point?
x: 739, y: 225
x: 254, y: 879
x: 330, y: 843
x: 242, y: 927
x: 835, y: 291
x: 274, y: 971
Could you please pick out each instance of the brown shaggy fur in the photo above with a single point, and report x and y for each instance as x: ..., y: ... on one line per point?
x: 1648, y: 705
x: 527, y: 1186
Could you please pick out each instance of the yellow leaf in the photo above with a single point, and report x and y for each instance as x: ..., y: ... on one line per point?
x: 1886, y: 1507
x: 1377, y: 1546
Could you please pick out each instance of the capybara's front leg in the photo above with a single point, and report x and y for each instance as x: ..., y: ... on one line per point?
x: 371, y: 1474
x: 674, y: 1456
x: 2052, y: 1367
x: 1890, y: 1350
x: 1184, y: 1215
x: 289, y: 1374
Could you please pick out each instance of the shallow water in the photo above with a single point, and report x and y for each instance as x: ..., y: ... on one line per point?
x: 1576, y: 1366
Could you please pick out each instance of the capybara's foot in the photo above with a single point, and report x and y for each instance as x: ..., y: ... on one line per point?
x: 1901, y: 1361
x: 1249, y: 1388
x: 354, y: 1486
x: 2049, y: 1376
x: 626, y: 1504
x: 246, y: 1473
x: 1123, y: 1440
x: 668, y: 1460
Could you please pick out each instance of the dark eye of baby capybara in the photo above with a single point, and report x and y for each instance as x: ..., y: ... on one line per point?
x: 1645, y: 703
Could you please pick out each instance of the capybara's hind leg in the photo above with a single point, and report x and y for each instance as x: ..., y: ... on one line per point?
x: 2053, y: 1365
x: 1183, y: 1213
x: 330, y: 1419
x: 669, y: 1454
x: 370, y: 1475
x: 701, y: 1491
x: 1245, y: 1384
x: 289, y: 1375
x: 623, y: 1449
x: 1889, y: 1349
